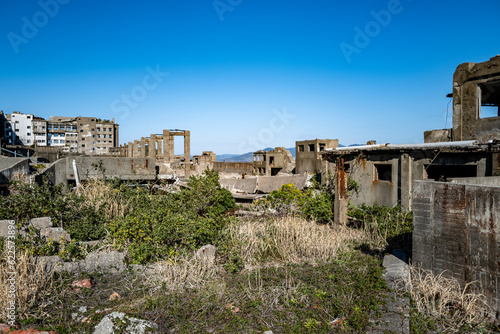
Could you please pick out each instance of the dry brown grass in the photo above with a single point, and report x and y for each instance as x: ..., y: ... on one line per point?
x: 181, y: 273
x: 443, y: 299
x: 100, y: 194
x: 290, y: 240
x: 32, y: 285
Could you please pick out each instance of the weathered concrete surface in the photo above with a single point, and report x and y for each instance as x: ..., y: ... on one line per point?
x: 108, y: 262
x: 233, y: 167
x: 485, y: 181
x: 263, y: 184
x: 248, y: 186
x: 457, y: 231
x: 437, y: 136
x: 111, y: 167
x: 12, y: 166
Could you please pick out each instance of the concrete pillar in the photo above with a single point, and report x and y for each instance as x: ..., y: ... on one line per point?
x: 187, y: 153
x: 143, y: 147
x: 152, y: 146
x: 405, y: 181
x: 166, y: 146
x: 159, y: 150
x: 171, y: 150
x: 130, y: 150
x: 341, y: 200
x: 136, y: 149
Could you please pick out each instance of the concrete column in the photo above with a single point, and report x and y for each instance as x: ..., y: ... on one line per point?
x: 143, y: 147
x: 341, y: 200
x: 187, y: 153
x: 159, y: 142
x: 152, y: 146
x: 171, y: 150
x: 136, y: 149
x: 166, y: 146
x: 405, y: 181
x: 130, y: 148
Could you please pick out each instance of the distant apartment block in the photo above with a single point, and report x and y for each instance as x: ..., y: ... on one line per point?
x: 84, y: 135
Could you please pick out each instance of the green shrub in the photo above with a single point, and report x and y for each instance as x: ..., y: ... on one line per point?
x: 162, y: 225
x: 315, y: 204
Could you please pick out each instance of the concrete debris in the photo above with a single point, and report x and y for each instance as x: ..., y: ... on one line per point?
x: 118, y: 320
x: 43, y: 227
x: 206, y: 253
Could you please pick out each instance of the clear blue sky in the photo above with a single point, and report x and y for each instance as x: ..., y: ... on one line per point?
x: 234, y: 65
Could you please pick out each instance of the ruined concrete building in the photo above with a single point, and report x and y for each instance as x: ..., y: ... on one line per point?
x: 270, y: 163
x: 308, y: 157
x: 476, y: 101
x: 384, y: 174
x: 161, y: 147
x: 204, y: 161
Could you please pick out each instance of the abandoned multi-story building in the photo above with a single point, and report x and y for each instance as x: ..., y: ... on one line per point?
x: 476, y: 101
x: 84, y: 135
x: 308, y: 157
x: 270, y: 163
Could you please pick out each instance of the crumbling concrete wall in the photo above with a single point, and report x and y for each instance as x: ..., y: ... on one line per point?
x: 437, y: 136
x: 111, y: 167
x: 457, y: 231
x: 12, y: 166
x: 263, y: 184
x: 233, y: 167
x: 476, y: 86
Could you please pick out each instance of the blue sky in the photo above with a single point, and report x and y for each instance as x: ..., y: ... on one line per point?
x: 244, y: 75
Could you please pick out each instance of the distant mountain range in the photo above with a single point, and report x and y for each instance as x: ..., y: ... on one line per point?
x: 248, y: 157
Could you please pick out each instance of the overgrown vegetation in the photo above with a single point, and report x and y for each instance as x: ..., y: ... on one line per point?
x: 389, y: 228
x: 290, y: 271
x: 312, y: 203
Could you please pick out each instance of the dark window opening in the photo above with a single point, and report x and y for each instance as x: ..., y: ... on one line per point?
x: 489, y: 99
x: 311, y: 147
x: 347, y: 167
x: 445, y: 172
x: 301, y: 148
x: 321, y: 147
x: 275, y: 171
x: 271, y: 160
x: 383, y: 172
x: 263, y: 158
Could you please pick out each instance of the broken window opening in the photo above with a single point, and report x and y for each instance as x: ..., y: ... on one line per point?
x: 383, y: 172
x: 301, y: 148
x: 275, y: 171
x: 271, y: 160
x: 445, y: 172
x: 489, y: 99
x: 311, y: 147
x: 322, y: 147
